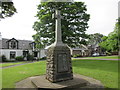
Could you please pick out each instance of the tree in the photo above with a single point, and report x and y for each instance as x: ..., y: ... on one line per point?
x: 95, y: 38
x: 7, y: 8
x: 73, y: 26
x: 110, y: 42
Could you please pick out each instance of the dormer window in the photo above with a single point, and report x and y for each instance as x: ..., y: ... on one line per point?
x: 12, y: 44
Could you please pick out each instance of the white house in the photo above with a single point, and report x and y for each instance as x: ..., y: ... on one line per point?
x: 81, y: 50
x: 12, y: 48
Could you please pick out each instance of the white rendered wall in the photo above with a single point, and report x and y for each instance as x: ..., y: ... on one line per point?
x: 6, y: 52
x: 42, y: 53
x: 30, y: 52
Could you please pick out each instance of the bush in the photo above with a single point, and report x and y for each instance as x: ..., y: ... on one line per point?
x: 4, y: 59
x: 19, y: 58
x: 30, y: 57
x: 43, y: 58
x: 77, y: 55
x: 0, y: 58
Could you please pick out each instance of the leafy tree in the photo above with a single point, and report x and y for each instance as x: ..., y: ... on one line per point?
x: 110, y: 42
x: 7, y: 8
x: 95, y: 38
x: 73, y: 26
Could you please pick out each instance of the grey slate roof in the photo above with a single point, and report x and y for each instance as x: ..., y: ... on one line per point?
x: 4, y: 44
x: 22, y: 44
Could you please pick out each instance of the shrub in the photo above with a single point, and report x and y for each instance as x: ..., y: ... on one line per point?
x: 43, y: 58
x: 19, y: 58
x: 4, y: 59
x: 0, y: 58
x: 30, y: 57
x: 77, y: 55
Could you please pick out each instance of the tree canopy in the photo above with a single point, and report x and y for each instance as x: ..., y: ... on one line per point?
x: 95, y: 38
x: 110, y: 42
x: 7, y: 8
x: 73, y: 27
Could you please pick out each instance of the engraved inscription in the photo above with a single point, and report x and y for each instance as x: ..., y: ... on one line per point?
x: 62, y: 62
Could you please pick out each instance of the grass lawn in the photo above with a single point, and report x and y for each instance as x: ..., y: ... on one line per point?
x: 14, y: 74
x: 104, y: 57
x: 105, y: 71
x: 11, y: 63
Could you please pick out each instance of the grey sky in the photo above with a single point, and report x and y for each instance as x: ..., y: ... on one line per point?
x: 103, y: 18
x: 103, y: 15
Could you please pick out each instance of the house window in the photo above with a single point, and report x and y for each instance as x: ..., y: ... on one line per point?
x: 12, y: 55
x: 13, y: 44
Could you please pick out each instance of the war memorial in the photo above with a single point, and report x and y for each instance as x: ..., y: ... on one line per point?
x: 59, y: 73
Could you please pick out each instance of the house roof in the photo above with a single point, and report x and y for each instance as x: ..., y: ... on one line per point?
x: 12, y: 39
x: 81, y: 47
x: 22, y: 44
x: 3, y: 43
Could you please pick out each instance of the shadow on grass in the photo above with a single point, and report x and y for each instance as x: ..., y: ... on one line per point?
x: 105, y: 65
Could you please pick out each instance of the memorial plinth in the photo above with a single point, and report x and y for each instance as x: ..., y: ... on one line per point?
x: 59, y: 66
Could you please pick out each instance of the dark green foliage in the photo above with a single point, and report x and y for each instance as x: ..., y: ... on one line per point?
x: 77, y: 55
x: 7, y: 9
x: 4, y: 59
x: 19, y: 58
x: 0, y: 58
x: 43, y: 58
x: 95, y: 38
x: 30, y: 57
x: 73, y: 26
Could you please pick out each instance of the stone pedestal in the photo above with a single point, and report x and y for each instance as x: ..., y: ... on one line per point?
x: 59, y: 66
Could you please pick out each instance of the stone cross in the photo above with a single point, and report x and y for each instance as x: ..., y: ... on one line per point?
x: 58, y: 35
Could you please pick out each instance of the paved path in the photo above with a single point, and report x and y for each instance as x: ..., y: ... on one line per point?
x: 15, y: 65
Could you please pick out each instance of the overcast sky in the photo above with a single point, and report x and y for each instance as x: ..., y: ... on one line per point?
x: 103, y: 15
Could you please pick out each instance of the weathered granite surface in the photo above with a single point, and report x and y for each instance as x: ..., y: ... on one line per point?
x: 59, y: 67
